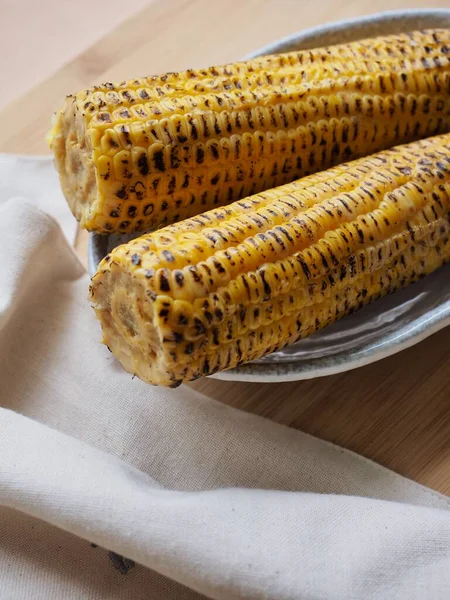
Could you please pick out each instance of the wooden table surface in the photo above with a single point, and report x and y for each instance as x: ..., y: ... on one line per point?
x: 397, y: 411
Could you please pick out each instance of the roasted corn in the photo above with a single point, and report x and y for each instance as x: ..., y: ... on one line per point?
x: 151, y: 151
x: 241, y: 281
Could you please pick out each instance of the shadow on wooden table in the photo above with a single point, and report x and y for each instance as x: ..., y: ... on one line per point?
x: 387, y: 411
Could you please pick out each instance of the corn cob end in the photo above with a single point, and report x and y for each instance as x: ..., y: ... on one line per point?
x: 131, y: 326
x: 72, y: 150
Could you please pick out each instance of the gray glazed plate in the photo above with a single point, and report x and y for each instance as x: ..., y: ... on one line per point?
x: 383, y: 328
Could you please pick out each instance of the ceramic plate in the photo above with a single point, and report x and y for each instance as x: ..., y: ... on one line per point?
x: 383, y: 328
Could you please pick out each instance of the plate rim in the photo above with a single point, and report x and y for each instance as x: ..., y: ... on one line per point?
x: 353, y: 22
x: 438, y: 319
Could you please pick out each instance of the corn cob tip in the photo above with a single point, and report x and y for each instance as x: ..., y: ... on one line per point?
x: 72, y: 151
x: 123, y: 332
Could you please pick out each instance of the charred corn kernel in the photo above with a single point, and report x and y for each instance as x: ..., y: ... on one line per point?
x: 239, y: 282
x: 151, y: 151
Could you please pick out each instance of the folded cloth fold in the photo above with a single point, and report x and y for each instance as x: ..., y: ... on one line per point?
x: 208, y: 501
x: 35, y: 179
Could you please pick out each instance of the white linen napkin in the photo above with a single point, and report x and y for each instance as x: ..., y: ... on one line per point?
x: 98, y: 469
x: 34, y: 178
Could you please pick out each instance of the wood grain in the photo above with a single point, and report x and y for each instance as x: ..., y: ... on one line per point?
x: 396, y: 411
x: 41, y: 36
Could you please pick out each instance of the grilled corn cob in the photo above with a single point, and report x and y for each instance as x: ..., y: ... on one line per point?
x: 241, y: 281
x: 152, y: 151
